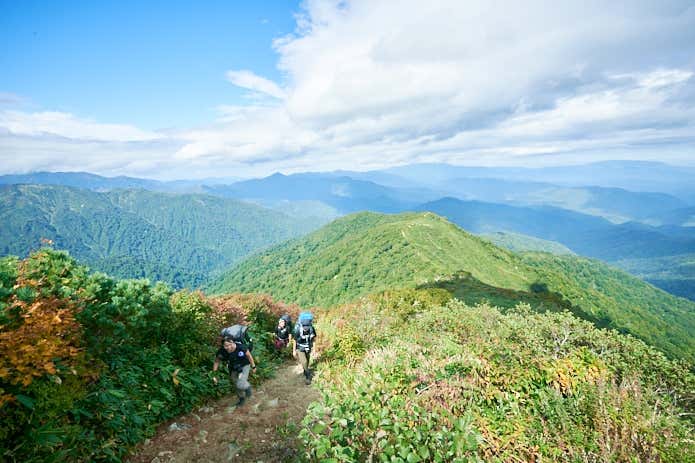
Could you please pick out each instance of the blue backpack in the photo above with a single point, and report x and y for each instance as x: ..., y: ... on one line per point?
x: 304, y: 331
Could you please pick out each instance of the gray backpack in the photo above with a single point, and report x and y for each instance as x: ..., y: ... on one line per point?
x: 238, y: 333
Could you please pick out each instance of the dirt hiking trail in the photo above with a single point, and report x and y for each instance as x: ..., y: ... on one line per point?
x: 264, y: 429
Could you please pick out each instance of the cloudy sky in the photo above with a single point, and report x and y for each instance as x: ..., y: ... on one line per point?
x: 181, y: 90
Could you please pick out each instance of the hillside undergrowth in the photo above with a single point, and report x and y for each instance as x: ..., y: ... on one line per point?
x: 89, y: 365
x: 408, y: 379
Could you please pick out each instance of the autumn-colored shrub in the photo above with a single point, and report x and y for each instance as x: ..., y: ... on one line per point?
x: 90, y: 365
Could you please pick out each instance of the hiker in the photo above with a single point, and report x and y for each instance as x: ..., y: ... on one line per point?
x: 240, y: 362
x: 303, y: 341
x: 283, y: 332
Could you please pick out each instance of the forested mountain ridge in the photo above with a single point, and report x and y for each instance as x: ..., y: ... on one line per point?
x: 518, y: 242
x: 180, y: 239
x: 363, y: 253
x: 95, y: 182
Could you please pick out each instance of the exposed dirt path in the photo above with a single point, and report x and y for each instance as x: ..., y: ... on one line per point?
x: 264, y: 429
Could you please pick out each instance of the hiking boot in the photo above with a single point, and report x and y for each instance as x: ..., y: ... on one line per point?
x: 248, y: 392
x: 240, y: 402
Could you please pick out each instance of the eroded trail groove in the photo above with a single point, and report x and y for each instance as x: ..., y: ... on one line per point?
x: 264, y: 429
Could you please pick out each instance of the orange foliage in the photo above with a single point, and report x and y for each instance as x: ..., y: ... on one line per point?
x: 48, y: 332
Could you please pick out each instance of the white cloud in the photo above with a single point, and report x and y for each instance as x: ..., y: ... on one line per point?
x: 249, y: 80
x: 643, y: 103
x: 247, y: 134
x: 371, y: 83
x: 67, y: 125
x: 374, y: 83
x: 57, y: 141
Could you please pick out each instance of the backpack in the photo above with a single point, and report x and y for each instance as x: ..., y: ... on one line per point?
x: 238, y: 333
x: 306, y: 318
x: 304, y: 331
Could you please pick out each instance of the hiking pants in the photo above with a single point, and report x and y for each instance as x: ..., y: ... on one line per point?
x: 304, y: 359
x: 242, y: 380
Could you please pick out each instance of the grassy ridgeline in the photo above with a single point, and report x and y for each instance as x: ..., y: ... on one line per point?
x: 367, y: 252
x: 426, y: 382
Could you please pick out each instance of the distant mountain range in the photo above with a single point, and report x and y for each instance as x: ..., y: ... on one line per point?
x: 632, y: 214
x: 615, y: 204
x: 342, y: 193
x: 684, y: 217
x: 180, y: 239
x: 620, y: 191
x: 99, y: 183
x: 366, y: 253
x: 583, y: 234
x: 636, y: 176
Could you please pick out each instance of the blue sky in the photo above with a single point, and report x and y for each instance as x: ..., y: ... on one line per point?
x: 194, y: 89
x: 152, y: 64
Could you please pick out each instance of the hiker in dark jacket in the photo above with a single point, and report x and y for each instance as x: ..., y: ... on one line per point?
x: 303, y: 342
x: 240, y: 362
x: 283, y: 332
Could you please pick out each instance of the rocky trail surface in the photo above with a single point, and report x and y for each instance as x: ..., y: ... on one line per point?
x: 264, y: 429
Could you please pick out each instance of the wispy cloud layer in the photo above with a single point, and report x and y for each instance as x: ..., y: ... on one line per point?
x: 52, y: 123
x: 249, y: 80
x: 374, y: 83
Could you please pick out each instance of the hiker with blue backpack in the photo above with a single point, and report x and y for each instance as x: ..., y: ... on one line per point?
x: 303, y: 342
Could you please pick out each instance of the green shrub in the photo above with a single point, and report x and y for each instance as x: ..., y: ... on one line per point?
x: 463, y: 383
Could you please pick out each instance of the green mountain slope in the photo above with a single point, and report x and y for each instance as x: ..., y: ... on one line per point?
x: 232, y: 228
x: 180, y: 239
x: 368, y: 252
x: 611, y: 294
x: 365, y: 253
x: 518, y: 242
